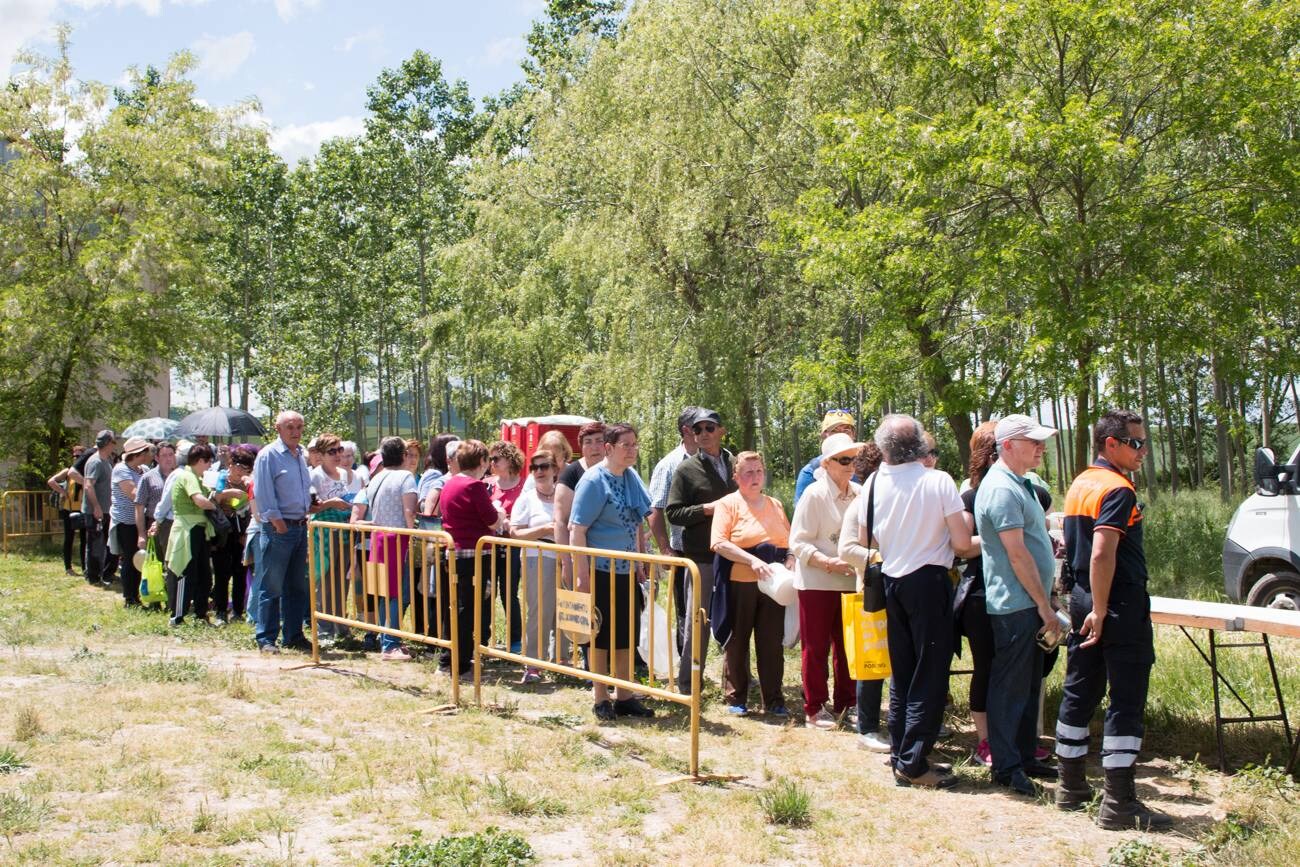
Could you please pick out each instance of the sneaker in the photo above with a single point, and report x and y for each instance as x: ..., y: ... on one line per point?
x: 874, y: 742
x: 1040, y: 770
x: 779, y: 711
x: 604, y: 711
x: 268, y: 649
x: 69, y: 573
x: 220, y: 621
x: 737, y: 710
x: 531, y: 675
x: 1041, y: 754
x: 396, y: 653
x: 632, y: 707
x: 823, y: 719
x: 175, y: 621
x: 931, y: 779
x: 301, y: 645
x: 983, y: 755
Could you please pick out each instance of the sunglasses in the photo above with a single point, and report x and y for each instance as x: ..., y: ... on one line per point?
x: 843, y: 461
x: 535, y: 467
x: 334, y: 451
x: 1135, y: 443
x: 705, y: 427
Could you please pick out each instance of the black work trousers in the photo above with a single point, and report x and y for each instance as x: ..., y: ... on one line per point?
x: 1122, y: 661
x: 127, y: 537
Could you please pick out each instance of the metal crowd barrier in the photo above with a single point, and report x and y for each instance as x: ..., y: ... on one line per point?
x: 27, y: 514
x: 576, y: 614
x: 361, y: 575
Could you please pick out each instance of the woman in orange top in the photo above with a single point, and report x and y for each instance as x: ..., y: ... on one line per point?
x: 751, y: 532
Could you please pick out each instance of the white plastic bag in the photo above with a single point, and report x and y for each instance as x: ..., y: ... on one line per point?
x: 654, y: 617
x: 791, y: 623
x: 780, y: 586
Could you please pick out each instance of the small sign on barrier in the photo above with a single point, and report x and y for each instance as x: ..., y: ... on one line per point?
x: 574, y: 615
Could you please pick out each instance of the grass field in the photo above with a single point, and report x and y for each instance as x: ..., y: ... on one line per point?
x: 122, y: 741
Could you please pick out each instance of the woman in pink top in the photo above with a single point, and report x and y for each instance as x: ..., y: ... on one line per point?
x: 468, y: 514
x: 750, y: 531
x: 507, y: 464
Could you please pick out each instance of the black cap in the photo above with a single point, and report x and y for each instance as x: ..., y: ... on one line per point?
x: 703, y: 414
x: 687, y: 417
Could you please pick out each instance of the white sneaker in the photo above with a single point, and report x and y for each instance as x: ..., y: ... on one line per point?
x: 874, y: 742
x: 823, y: 719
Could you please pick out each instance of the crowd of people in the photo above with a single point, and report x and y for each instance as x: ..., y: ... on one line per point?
x: 231, y: 525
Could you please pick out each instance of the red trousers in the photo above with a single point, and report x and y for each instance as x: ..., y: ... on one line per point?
x: 822, y: 634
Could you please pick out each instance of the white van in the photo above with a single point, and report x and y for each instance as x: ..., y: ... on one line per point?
x: 1261, y: 554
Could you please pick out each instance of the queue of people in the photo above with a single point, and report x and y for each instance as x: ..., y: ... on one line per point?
x: 872, y: 516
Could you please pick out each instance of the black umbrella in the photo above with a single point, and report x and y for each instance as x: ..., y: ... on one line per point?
x: 219, y: 421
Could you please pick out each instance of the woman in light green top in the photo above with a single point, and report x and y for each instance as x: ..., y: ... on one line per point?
x: 188, y: 556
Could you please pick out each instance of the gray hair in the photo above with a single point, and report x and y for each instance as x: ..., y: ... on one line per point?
x: 349, y: 446
x: 901, y: 439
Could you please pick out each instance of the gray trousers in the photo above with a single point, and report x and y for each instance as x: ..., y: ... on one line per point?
x: 706, y: 596
x: 539, y: 614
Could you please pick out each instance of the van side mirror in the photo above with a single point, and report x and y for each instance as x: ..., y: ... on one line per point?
x: 1266, y: 472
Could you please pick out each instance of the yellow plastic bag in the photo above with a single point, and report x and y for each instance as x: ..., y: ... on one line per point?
x: 153, y: 589
x: 865, y: 643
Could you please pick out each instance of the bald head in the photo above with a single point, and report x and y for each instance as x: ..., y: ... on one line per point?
x: 901, y: 439
x: 288, y: 425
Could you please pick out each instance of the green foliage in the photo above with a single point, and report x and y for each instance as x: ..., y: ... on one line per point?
x: 1183, y: 539
x: 164, y: 670
x: 786, y: 802
x: 11, y: 760
x: 490, y: 847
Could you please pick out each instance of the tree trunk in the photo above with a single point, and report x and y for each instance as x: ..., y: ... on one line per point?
x: 1149, y: 465
x: 1221, y: 432
x: 1166, y: 421
x: 1196, y: 454
x: 1082, y: 414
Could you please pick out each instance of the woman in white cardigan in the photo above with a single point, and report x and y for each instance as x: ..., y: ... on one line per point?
x: 822, y: 578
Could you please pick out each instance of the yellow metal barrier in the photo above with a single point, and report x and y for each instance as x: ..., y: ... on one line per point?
x: 27, y: 514
x: 387, y: 581
x: 577, y: 614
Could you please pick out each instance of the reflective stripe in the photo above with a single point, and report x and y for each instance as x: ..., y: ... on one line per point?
x: 1118, y: 760
x: 1119, y: 742
x: 1071, y: 751
x: 1073, y: 733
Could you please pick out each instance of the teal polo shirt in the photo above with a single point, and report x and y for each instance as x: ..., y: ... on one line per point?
x: 1005, y: 501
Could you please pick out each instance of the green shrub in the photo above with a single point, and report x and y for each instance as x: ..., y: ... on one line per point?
x: 490, y: 847
x: 10, y: 760
x: 1183, y: 537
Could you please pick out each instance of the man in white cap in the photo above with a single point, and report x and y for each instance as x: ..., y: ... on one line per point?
x: 1019, y: 568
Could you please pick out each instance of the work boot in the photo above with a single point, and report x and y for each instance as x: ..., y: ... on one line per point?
x: 1073, y: 793
x: 1120, y: 808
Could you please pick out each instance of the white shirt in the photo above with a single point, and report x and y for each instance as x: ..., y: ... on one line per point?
x: 816, y: 530
x: 912, y: 503
x: 531, y: 511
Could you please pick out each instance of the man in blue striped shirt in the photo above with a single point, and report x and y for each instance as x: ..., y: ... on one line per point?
x: 282, y: 488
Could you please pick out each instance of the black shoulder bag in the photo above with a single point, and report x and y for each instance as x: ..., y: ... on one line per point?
x: 873, y: 582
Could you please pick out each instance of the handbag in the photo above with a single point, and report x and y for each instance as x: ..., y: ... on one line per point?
x: 221, y: 528
x: 873, y: 577
x: 153, y: 588
x: 866, y: 644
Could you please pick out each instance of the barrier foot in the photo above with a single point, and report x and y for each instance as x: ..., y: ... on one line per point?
x: 701, y: 778
x: 442, y: 709
x: 307, y: 665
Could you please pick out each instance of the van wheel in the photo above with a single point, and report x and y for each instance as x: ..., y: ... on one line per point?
x: 1276, y: 590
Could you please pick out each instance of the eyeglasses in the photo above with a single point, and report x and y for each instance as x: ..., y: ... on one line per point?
x: 844, y: 461
x: 705, y: 427
x: 535, y: 467
x: 334, y: 451
x: 1135, y: 443
x: 629, y: 445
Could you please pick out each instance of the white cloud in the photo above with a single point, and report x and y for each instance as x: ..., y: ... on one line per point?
x: 221, y: 56
x: 296, y: 141
x: 288, y: 9
x: 24, y: 21
x: 309, y: 86
x: 369, y: 36
x: 507, y: 49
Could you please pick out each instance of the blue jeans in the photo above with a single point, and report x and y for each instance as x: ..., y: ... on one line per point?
x: 1014, y: 683
x: 251, y: 547
x: 282, y: 572
x: 390, y: 613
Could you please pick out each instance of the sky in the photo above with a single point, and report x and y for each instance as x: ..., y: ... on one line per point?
x: 309, y: 62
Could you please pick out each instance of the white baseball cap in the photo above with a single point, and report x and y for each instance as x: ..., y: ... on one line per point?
x: 1018, y: 426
